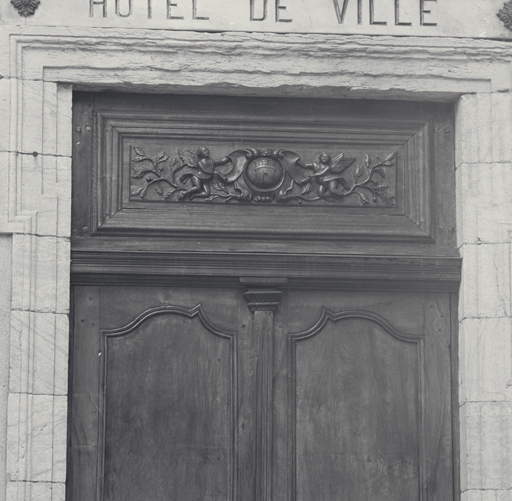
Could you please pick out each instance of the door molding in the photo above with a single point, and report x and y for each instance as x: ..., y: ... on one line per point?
x: 196, y: 311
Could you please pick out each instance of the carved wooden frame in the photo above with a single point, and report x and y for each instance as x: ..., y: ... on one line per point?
x: 43, y: 67
x: 114, y: 213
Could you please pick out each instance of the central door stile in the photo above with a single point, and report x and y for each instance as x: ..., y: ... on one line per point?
x: 263, y: 298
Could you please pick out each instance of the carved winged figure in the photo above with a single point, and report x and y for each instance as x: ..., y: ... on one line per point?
x: 328, y: 174
x: 25, y: 8
x: 200, y: 171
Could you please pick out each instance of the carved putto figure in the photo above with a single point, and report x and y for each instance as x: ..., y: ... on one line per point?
x: 201, y: 172
x: 328, y: 174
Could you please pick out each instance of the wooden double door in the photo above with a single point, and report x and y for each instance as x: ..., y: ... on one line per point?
x: 264, y: 295
x: 260, y: 392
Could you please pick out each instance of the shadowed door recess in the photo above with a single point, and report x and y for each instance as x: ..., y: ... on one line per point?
x: 208, y: 375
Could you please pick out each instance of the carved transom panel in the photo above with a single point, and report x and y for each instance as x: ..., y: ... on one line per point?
x: 254, y: 175
x: 260, y: 168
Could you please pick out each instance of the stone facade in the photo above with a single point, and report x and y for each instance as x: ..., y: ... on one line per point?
x: 5, y: 315
x: 40, y: 68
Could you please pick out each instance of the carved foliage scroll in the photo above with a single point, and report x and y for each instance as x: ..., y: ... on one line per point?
x: 261, y: 176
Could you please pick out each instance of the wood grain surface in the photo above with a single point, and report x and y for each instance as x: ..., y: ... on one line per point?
x: 335, y: 395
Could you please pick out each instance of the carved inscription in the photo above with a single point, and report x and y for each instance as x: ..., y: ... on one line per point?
x: 261, y: 176
x: 346, y: 12
x: 340, y: 8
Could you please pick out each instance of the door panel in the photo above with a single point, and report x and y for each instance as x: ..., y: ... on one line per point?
x: 369, y: 378
x: 169, y: 376
x: 154, y: 401
x: 168, y: 396
x: 358, y: 421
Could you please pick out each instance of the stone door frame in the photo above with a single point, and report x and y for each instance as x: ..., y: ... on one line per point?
x: 46, y: 64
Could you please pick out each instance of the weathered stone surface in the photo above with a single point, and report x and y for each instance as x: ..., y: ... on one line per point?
x: 63, y: 274
x: 59, y: 492
x: 485, y: 347
x: 46, y: 182
x: 49, y: 279
x: 501, y: 126
x: 12, y: 219
x: 486, y: 446
x: 476, y: 115
x: 5, y: 111
x: 40, y: 491
x: 32, y: 117
x: 37, y: 341
x: 57, y: 121
x: 23, y: 257
x: 60, y: 423
x: 485, y: 291
x: 5, y: 309
x: 42, y: 426
x: 29, y: 491
x: 473, y: 119
x: 37, y: 430
x: 15, y: 491
x: 18, y: 435
x: 19, y: 373
x: 5, y: 159
x: 484, y: 205
x: 332, y: 54
x: 61, y: 355
x: 487, y: 496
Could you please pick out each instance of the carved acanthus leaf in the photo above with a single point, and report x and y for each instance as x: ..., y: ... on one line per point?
x: 26, y: 8
x: 505, y: 15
